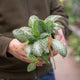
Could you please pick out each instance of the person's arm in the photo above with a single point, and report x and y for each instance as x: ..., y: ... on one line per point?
x: 4, y: 41
x: 8, y: 46
x: 56, y: 8
x: 20, y: 54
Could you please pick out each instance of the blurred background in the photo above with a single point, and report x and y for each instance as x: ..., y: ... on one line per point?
x: 69, y: 68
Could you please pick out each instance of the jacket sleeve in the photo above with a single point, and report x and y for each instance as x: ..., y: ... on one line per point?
x: 56, y: 8
x: 4, y: 40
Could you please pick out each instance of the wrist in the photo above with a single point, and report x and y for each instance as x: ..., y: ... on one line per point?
x: 11, y: 45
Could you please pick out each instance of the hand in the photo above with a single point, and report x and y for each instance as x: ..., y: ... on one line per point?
x: 59, y: 37
x: 41, y: 62
x: 20, y: 54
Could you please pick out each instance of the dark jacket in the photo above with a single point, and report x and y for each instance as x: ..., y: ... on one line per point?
x: 14, y: 14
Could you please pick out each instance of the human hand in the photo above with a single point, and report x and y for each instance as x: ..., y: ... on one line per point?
x: 41, y: 62
x: 59, y: 37
x: 17, y: 51
x: 13, y: 50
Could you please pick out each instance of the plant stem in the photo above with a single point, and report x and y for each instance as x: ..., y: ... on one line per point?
x: 53, y: 58
x: 20, y: 47
x: 37, y: 61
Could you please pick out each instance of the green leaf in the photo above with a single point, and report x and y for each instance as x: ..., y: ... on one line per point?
x: 38, y: 27
x: 28, y: 49
x: 55, y: 32
x: 32, y: 58
x: 53, y: 58
x: 59, y: 47
x: 32, y: 19
x: 31, y: 67
x: 46, y: 51
x: 43, y: 35
x: 40, y: 46
x: 53, y: 18
x: 57, y: 25
x: 24, y: 34
x: 45, y: 58
x: 49, y: 27
x: 44, y: 43
x: 56, y: 28
x: 37, y: 48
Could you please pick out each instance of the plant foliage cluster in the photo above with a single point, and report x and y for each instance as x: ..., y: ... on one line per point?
x: 37, y: 35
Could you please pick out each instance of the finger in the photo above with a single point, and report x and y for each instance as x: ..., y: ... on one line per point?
x: 22, y: 58
x: 21, y: 52
x: 40, y: 64
x: 63, y: 41
x: 58, y: 37
x: 40, y: 60
x: 54, y: 52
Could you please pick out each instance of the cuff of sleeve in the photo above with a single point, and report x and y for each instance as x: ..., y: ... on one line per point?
x: 4, y: 43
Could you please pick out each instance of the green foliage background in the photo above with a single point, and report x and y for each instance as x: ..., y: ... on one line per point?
x: 72, y: 8
x: 74, y: 42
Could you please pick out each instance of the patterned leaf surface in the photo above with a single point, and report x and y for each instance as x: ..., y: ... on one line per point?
x: 44, y: 35
x: 31, y: 67
x: 57, y: 25
x: 49, y: 26
x: 38, y: 27
x: 59, y: 47
x: 45, y: 58
x: 44, y: 44
x: 23, y: 34
x: 53, y: 18
x: 37, y: 48
x: 32, y: 58
x: 28, y: 49
x: 32, y: 19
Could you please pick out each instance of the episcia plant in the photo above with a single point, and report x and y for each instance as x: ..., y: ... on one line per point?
x: 39, y: 40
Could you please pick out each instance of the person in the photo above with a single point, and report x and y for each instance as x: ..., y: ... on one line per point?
x: 15, y: 14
